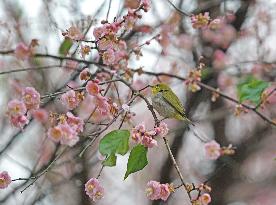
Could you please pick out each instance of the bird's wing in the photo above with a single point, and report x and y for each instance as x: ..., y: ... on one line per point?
x: 173, y: 100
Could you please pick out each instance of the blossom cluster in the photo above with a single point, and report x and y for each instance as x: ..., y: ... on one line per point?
x: 18, y: 109
x: 204, y: 21
x: 93, y: 189
x: 102, y: 102
x: 221, y: 34
x: 67, y: 129
x: 194, y: 77
x: 213, y: 150
x: 5, y: 180
x: 203, y: 197
x: 71, y: 99
x: 155, y: 190
x: 147, y: 138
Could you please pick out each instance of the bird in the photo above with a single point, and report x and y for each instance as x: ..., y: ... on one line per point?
x: 166, y: 103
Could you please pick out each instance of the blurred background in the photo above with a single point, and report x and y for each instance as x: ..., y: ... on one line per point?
x: 242, y: 45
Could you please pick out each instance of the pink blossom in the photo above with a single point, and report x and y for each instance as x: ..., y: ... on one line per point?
x: 129, y: 21
x: 165, y: 191
x: 85, y: 74
x: 93, y: 189
x: 153, y: 190
x: 5, y: 180
x: 98, y: 32
x: 76, y: 122
x: 16, y: 108
x: 108, y: 42
x: 212, y: 150
x: 225, y: 81
x: 22, y: 51
x: 19, y: 121
x: 200, y: 20
x: 138, y: 132
x: 40, y: 115
x: 140, y: 127
x: 68, y: 135
x: 31, y: 98
x: 55, y: 133
x: 220, y: 59
x: 148, y: 141
x: 162, y: 130
x: 205, y: 199
x: 102, y: 104
x: 109, y: 57
x: 74, y: 33
x: 70, y: 99
x: 145, y: 4
x: 85, y: 50
x: 92, y: 88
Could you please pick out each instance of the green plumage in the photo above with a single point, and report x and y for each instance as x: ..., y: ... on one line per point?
x: 171, y: 106
x: 173, y: 100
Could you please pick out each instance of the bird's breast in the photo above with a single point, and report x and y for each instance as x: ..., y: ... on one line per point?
x: 161, y: 106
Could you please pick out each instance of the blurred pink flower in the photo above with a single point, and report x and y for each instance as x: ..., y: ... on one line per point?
x: 22, y: 51
x: 146, y: 4
x: 76, y: 122
x: 212, y: 150
x: 109, y: 57
x: 219, y: 59
x: 153, y: 190
x: 70, y: 99
x: 74, y: 33
x: 148, y: 141
x: 205, y: 199
x: 5, y: 180
x: 55, y: 133
x: 85, y: 50
x: 85, y: 74
x: 200, y: 20
x: 68, y: 135
x: 103, y: 105
x: 165, y: 191
x: 19, y: 121
x: 92, y: 88
x: 98, y: 32
x: 40, y: 115
x: 16, y: 108
x: 162, y: 130
x: 31, y: 98
x: 93, y: 189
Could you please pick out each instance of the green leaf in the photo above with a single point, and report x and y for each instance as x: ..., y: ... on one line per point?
x: 115, y: 142
x: 110, y: 161
x: 137, y: 160
x: 251, y: 89
x: 65, y: 46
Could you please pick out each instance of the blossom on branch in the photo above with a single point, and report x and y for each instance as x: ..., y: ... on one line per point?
x: 212, y: 150
x: 5, y: 180
x: 70, y: 99
x: 94, y: 190
x: 31, y: 98
x: 156, y: 191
